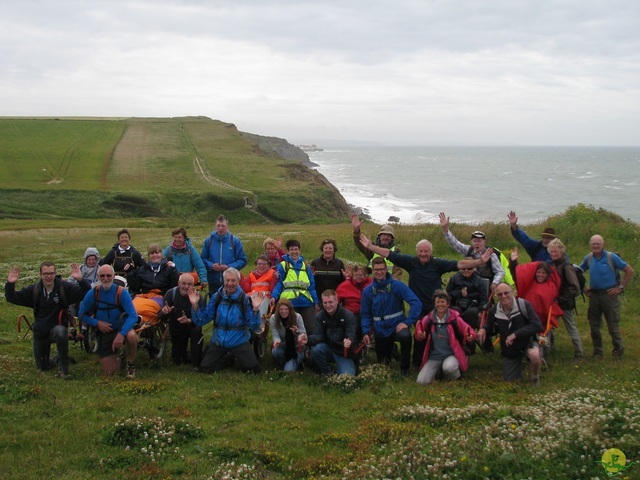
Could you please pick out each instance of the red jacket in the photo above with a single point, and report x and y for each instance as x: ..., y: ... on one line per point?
x: 542, y: 296
x: 350, y: 293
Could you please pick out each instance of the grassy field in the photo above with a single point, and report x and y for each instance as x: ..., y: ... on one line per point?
x: 157, y: 168
x: 172, y: 423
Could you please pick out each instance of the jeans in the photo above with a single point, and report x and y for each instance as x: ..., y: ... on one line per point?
x: 42, y: 348
x: 570, y: 324
x: 323, y: 356
x: 291, y: 365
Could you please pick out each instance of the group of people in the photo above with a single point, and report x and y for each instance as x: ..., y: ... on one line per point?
x: 326, y: 311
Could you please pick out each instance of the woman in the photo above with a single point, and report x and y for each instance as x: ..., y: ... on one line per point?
x: 185, y: 257
x: 327, y: 269
x: 89, y: 270
x: 443, y: 330
x: 273, y: 250
x: 289, y: 336
x: 539, y: 284
x: 262, y: 279
x: 350, y: 291
x: 123, y: 257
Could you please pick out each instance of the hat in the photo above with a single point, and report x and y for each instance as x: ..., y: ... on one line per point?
x: 478, y: 234
x: 548, y: 233
x: 388, y: 229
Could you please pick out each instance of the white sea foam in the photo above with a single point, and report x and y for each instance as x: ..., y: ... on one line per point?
x: 474, y: 184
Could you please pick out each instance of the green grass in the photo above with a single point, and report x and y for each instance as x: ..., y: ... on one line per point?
x: 301, y: 426
x: 173, y: 168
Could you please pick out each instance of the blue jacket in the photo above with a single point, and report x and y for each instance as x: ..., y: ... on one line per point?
x: 534, y: 248
x: 186, y: 259
x: 108, y: 310
x: 297, y: 266
x: 231, y: 328
x: 382, y: 306
x: 225, y: 250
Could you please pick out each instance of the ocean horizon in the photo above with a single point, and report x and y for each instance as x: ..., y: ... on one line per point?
x: 483, y: 183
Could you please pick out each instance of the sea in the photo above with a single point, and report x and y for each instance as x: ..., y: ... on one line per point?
x: 476, y: 184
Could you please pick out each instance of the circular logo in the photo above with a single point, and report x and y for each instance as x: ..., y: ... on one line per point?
x: 614, y: 461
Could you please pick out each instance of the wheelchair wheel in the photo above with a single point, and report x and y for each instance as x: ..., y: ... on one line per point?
x: 91, y: 341
x: 158, y: 342
x: 260, y: 346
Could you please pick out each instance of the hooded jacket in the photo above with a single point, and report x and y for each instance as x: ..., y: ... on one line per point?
x: 224, y: 250
x: 232, y: 328
x: 186, y: 259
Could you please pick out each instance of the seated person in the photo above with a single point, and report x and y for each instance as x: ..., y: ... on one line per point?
x: 442, y: 329
x: 273, y: 250
x: 289, y: 337
x: 261, y: 279
x: 89, y: 270
x: 469, y: 294
x: 149, y: 283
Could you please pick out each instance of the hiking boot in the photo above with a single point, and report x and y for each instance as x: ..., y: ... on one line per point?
x: 131, y: 371
x: 597, y: 355
x: 578, y: 358
x: 64, y: 375
x: 535, y: 382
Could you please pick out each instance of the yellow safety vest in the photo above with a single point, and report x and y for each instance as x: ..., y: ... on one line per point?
x: 295, y: 283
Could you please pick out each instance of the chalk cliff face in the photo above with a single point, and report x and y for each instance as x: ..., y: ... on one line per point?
x: 280, y: 147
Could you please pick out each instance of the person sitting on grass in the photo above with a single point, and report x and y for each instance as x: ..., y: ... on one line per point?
x: 289, y: 337
x: 114, y: 317
x: 443, y: 353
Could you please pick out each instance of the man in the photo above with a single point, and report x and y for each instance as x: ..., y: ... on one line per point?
x: 109, y: 308
x: 235, y: 316
x: 221, y: 250
x: 469, y: 295
x: 296, y: 283
x: 48, y: 298
x: 517, y: 324
x: 334, y: 334
x: 569, y: 289
x: 492, y: 271
x: 605, y: 288
x: 382, y: 311
x: 385, y: 239
x: 537, y: 249
x: 425, y: 276
x: 177, y: 308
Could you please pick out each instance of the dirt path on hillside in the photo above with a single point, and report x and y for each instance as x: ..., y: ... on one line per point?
x: 211, y: 180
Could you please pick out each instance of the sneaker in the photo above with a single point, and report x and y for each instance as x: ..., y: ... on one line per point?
x: 131, y: 371
x: 64, y: 376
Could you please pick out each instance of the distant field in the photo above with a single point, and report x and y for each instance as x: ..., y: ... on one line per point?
x: 134, y: 168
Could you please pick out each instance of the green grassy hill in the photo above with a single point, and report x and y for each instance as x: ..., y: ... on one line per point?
x: 171, y: 168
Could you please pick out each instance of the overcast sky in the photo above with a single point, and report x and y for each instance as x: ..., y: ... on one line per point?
x: 533, y: 72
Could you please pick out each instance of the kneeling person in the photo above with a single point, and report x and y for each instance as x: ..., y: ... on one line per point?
x: 382, y: 311
x: 515, y: 320
x: 334, y: 333
x: 236, y: 316
x: 109, y: 308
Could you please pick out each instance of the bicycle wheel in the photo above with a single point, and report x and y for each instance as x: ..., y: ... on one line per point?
x: 158, y: 341
x: 91, y: 340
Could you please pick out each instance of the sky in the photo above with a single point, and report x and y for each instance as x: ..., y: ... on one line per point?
x: 400, y: 72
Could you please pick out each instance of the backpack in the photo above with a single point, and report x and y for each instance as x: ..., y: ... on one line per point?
x: 240, y: 301
x: 504, y: 261
x: 64, y: 316
x: 110, y: 306
x: 611, y: 266
x: 388, y: 289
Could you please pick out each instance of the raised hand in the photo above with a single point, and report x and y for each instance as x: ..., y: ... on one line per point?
x: 14, y: 274
x: 444, y: 222
x: 356, y: 222
x: 486, y: 256
x: 515, y: 254
x: 364, y: 240
x: 194, y: 297
x: 256, y: 299
x: 513, y: 219
x: 75, y: 272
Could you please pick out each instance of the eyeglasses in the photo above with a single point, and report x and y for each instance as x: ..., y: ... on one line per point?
x: 466, y: 269
x: 503, y: 294
x: 47, y: 274
x: 105, y: 275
